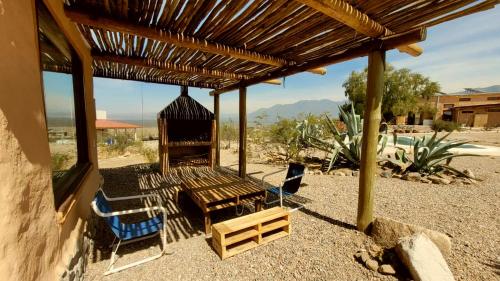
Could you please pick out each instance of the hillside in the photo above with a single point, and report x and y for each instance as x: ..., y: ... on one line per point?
x: 490, y: 89
x: 303, y: 107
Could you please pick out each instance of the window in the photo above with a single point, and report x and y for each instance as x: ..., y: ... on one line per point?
x: 467, y: 111
x: 448, y: 105
x: 494, y: 110
x: 63, y: 95
x: 493, y: 98
x: 464, y: 99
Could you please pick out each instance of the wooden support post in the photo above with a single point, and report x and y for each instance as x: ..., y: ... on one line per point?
x: 371, y: 123
x: 242, y: 170
x: 217, y: 129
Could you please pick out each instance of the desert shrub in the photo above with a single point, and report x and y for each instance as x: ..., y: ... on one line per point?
x: 150, y: 154
x: 285, y: 137
x: 59, y: 161
x: 448, y: 126
x: 120, y: 144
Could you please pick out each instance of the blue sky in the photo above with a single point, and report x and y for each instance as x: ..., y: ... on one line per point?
x: 457, y: 54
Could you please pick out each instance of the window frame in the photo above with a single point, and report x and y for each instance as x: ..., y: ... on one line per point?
x: 464, y: 99
x: 71, y: 182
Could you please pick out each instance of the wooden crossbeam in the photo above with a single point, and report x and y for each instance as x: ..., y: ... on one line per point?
x: 386, y: 43
x: 168, y: 66
x: 153, y: 79
x: 150, y: 63
x: 345, y: 13
x: 177, y: 39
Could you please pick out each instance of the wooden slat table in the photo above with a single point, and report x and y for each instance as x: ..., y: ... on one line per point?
x: 220, y: 191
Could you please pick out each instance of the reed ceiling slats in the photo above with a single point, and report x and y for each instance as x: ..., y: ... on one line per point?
x: 225, y: 42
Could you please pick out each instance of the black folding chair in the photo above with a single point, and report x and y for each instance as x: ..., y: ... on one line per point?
x: 287, y: 187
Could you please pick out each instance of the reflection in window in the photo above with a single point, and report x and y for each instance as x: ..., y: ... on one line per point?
x: 64, y: 106
x: 60, y: 113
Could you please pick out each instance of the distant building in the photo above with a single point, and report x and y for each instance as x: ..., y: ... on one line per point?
x: 103, y: 126
x: 101, y: 114
x: 471, y: 107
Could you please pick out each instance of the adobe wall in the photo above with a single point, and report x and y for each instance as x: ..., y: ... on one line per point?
x: 37, y: 242
x: 455, y: 100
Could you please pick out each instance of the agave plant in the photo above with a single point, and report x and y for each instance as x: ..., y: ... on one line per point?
x: 346, y: 145
x: 430, y: 155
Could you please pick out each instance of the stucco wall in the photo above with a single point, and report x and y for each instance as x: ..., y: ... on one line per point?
x: 35, y: 244
x: 475, y: 99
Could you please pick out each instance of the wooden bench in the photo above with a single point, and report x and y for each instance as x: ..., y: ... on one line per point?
x: 240, y: 234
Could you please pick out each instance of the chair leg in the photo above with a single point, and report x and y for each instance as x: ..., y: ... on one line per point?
x: 281, y: 197
x: 113, y: 256
x: 111, y: 269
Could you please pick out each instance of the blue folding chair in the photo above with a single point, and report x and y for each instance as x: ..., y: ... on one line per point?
x: 131, y: 232
x: 287, y: 187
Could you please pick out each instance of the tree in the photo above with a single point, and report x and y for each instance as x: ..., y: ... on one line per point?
x: 402, y: 91
x: 228, y: 132
x: 258, y: 133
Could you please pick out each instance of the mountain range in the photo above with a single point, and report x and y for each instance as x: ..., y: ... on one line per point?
x: 490, y: 89
x: 294, y: 110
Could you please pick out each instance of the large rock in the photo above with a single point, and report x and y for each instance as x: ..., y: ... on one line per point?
x: 387, y: 232
x: 423, y: 259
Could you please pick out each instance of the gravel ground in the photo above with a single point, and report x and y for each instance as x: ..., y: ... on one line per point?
x: 323, y: 240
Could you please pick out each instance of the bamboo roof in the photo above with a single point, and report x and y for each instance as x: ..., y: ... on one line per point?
x: 224, y: 44
x: 185, y: 107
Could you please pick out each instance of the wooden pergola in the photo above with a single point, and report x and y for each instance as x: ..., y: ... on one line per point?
x: 232, y: 44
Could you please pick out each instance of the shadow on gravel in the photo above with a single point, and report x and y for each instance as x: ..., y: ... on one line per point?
x: 327, y: 219
x: 493, y: 264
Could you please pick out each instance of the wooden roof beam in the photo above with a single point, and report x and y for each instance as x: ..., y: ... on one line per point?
x: 153, y: 79
x: 149, y: 63
x: 177, y: 39
x: 347, y: 14
x: 386, y: 43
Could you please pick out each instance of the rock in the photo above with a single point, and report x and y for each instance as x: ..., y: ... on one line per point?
x: 365, y: 257
x: 386, y: 174
x: 372, y: 264
x: 439, y: 180
x: 425, y: 180
x: 355, y: 173
x: 396, y: 176
x: 376, y: 248
x: 387, y: 232
x: 469, y: 181
x: 412, y: 176
x: 386, y: 269
x: 469, y: 173
x: 375, y: 251
x: 318, y: 172
x: 423, y: 259
x: 341, y: 174
x: 358, y: 255
x: 362, y: 256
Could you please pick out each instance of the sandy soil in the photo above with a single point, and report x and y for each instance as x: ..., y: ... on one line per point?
x: 323, y: 239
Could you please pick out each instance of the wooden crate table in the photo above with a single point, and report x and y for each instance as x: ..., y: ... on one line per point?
x: 240, y: 234
x: 221, y: 191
